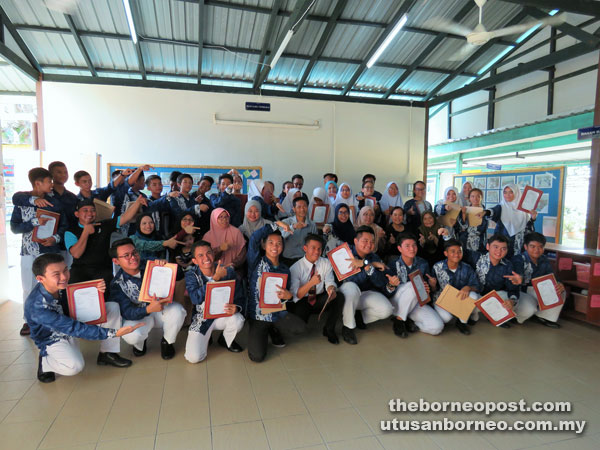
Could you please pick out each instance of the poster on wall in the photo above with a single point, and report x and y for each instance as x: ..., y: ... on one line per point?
x: 507, y: 180
x: 479, y: 183
x: 543, y: 181
x: 524, y: 180
x: 492, y: 197
x: 493, y: 183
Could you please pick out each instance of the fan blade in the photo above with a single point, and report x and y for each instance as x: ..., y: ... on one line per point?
x: 521, y: 28
x: 464, y: 52
x: 446, y: 26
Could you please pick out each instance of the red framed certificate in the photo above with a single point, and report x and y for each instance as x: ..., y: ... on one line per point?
x: 418, y: 284
x: 338, y: 258
x: 47, y: 230
x: 319, y: 214
x: 269, y: 285
x: 159, y: 282
x: 218, y: 294
x: 86, y: 302
x: 370, y: 201
x: 492, y: 306
x: 545, y: 290
x: 530, y: 197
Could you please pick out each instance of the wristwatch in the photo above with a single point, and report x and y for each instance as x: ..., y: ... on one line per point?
x: 365, y: 262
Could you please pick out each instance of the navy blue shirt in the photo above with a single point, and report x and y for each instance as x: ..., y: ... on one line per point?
x: 368, y: 280
x: 491, y: 278
x: 525, y: 267
x: 464, y: 275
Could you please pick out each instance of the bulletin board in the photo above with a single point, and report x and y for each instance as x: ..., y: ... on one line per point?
x: 549, y: 180
x: 248, y: 173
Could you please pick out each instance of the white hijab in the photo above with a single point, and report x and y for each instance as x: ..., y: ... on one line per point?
x: 321, y: 194
x: 287, y: 203
x: 513, y: 220
x: 255, y: 189
x: 448, y: 189
x: 350, y: 201
x: 387, y: 200
x: 461, y: 199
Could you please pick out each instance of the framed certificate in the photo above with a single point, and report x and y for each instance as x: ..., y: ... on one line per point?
x: 269, y: 285
x: 319, y: 214
x: 86, y: 302
x: 159, y: 282
x: 218, y: 294
x: 530, y: 197
x: 418, y: 284
x: 370, y: 201
x: 47, y: 230
x: 492, y: 306
x: 104, y: 210
x: 338, y: 258
x: 545, y: 290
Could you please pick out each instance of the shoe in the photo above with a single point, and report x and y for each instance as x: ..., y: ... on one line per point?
x: 505, y: 324
x: 44, y: 377
x: 210, y: 341
x: 331, y: 336
x: 399, y: 328
x: 545, y: 322
x: 471, y: 322
x: 141, y: 352
x: 360, y: 323
x: 167, y: 351
x: 234, y: 347
x: 411, y: 326
x: 349, y: 336
x: 112, y: 359
x: 25, y: 331
x: 276, y: 337
x: 463, y: 328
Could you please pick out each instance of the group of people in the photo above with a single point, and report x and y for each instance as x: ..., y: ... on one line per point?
x: 231, y: 236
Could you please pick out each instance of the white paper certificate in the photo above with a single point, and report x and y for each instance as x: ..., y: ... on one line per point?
x: 160, y: 282
x: 494, y: 309
x: 369, y: 202
x: 272, y: 286
x: 418, y: 280
x: 87, y: 304
x: 530, y: 200
x: 340, y: 260
x: 548, y: 292
x: 319, y: 214
x: 47, y: 230
x: 219, y: 297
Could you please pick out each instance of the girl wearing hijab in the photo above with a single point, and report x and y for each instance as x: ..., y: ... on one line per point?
x: 332, y: 189
x: 390, y: 200
x: 441, y: 208
x: 147, y: 241
x: 226, y: 240
x: 319, y: 198
x: 416, y: 206
x: 253, y: 219
x: 341, y: 229
x: 464, y: 197
x: 262, y: 192
x: 473, y: 238
x: 287, y: 206
x: 345, y: 196
x: 393, y: 231
x: 510, y: 221
x: 366, y: 216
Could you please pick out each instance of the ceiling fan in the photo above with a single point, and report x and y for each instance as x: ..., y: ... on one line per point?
x: 479, y: 35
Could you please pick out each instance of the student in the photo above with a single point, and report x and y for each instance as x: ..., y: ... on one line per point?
x: 390, y: 200
x: 227, y: 241
x: 83, y: 180
x: 329, y: 177
x: 253, y: 219
x: 464, y: 199
x: 366, y: 217
x: 155, y: 186
x: 341, y: 229
x: 300, y: 226
x: 226, y: 200
x: 408, y: 314
x: 364, y: 303
x: 285, y: 188
x: 450, y: 196
x: 368, y: 190
x: 430, y: 238
x: 262, y: 192
x: 174, y: 184
x: 369, y: 177
x: 128, y: 190
x: 286, y: 209
x: 68, y: 200
x: 162, y: 218
x: 332, y: 189
x: 203, y: 271
x: 125, y: 290
x: 147, y: 241
x: 454, y: 272
x: 24, y: 221
x: 416, y: 206
x: 319, y: 198
x: 530, y: 264
x: 53, y: 331
x: 182, y: 196
x: 298, y: 183
x: 203, y: 208
x: 238, y: 183
x: 394, y: 230
x: 473, y: 239
x: 494, y: 272
x: 313, y: 284
x: 345, y: 196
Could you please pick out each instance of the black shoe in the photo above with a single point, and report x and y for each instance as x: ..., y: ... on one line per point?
x: 112, y: 359
x: 167, y: 351
x: 44, y: 377
x: 141, y: 352
x: 411, y: 326
x: 505, y: 324
x: 210, y: 341
x: 471, y: 322
x: 330, y: 335
x: 360, y: 323
x: 349, y: 336
x: 234, y: 347
x: 276, y: 337
x: 463, y: 328
x: 545, y: 322
x: 25, y: 331
x: 399, y: 328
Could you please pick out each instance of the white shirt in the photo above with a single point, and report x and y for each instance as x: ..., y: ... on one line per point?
x: 300, y: 275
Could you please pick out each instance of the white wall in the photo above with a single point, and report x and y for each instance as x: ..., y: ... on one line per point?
x: 159, y: 126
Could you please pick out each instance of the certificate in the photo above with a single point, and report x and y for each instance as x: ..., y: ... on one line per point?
x: 104, y: 211
x: 530, y: 197
x: 473, y: 215
x: 449, y: 300
x: 270, y: 283
x: 218, y: 294
x: 370, y: 201
x: 339, y: 260
x: 47, y: 230
x: 452, y: 211
x: 86, y: 302
x: 418, y: 284
x: 545, y: 289
x: 159, y: 281
x: 319, y: 214
x: 492, y: 306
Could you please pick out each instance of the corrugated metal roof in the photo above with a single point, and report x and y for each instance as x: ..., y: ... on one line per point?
x: 13, y: 80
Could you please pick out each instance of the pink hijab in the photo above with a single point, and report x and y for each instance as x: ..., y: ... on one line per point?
x: 217, y: 235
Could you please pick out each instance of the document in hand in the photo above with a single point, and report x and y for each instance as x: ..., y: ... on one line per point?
x: 319, y: 214
x: 473, y: 216
x: 159, y: 282
x: 86, y: 302
x: 530, y: 197
x: 492, y: 306
x: 104, y: 210
x: 270, y: 283
x: 370, y: 201
x: 339, y: 260
x: 418, y: 284
x: 47, y: 230
x: 218, y: 294
x: 452, y: 211
x: 449, y: 300
x: 545, y: 289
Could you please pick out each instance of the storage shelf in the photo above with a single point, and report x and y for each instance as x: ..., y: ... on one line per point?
x: 579, y: 284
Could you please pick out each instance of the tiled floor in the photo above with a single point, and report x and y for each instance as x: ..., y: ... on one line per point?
x: 310, y: 394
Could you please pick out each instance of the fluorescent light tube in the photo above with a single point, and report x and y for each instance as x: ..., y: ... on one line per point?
x: 130, y: 21
x: 387, y: 41
x: 282, y: 47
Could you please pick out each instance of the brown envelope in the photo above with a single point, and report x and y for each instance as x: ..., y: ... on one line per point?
x: 449, y: 300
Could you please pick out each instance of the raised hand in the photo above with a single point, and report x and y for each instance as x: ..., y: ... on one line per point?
x: 393, y: 280
x: 515, y: 278
x: 189, y: 229
x: 431, y: 281
x: 220, y: 271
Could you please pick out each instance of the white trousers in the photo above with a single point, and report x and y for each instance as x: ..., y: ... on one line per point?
x: 405, y: 305
x: 28, y: 280
x: 528, y: 305
x: 197, y: 343
x: 447, y: 317
x: 373, y: 305
x: 170, y: 319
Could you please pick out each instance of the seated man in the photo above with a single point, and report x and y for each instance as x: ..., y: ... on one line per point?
x: 458, y: 274
x: 227, y: 200
x: 301, y: 226
x: 407, y: 310
x: 362, y: 291
x: 532, y: 263
x: 312, y: 285
x: 203, y: 271
x: 53, y: 331
x: 125, y: 289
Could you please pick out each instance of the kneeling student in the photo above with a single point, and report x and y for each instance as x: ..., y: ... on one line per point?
x: 452, y: 271
x: 202, y: 272
x: 53, y: 332
x: 125, y: 290
x: 532, y: 263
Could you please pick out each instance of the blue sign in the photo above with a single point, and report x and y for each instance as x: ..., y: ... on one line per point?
x: 588, y: 133
x: 254, y: 106
x: 493, y: 166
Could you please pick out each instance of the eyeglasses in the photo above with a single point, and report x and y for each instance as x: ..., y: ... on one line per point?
x: 345, y: 213
x: 133, y: 254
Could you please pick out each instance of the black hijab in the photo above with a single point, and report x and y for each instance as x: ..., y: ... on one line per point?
x: 343, y: 230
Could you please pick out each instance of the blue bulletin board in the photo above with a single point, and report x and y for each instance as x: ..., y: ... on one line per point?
x: 197, y: 172
x: 549, y: 180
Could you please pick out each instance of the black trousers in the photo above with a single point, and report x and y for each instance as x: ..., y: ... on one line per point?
x: 258, y: 334
x: 333, y: 311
